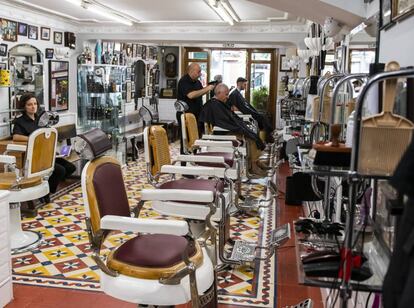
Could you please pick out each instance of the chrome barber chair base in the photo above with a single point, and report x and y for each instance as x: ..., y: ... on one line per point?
x: 21, y: 241
x: 252, y: 206
x: 25, y: 241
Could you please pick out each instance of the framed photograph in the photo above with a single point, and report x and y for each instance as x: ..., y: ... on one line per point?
x: 3, y: 65
x: 9, y: 30
x: 22, y: 29
x: 172, y: 83
x: 33, y: 32
x: 386, y: 12
x: 58, y: 85
x: 45, y: 34
x: 128, y: 73
x: 283, y: 64
x: 340, y: 56
x: 3, y: 50
x: 57, y: 38
x: 128, y: 91
x: 49, y: 53
x: 402, y: 8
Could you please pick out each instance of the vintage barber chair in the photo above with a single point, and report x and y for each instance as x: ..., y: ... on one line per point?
x: 192, y: 144
x: 27, y: 184
x: 159, y: 162
x: 161, y: 265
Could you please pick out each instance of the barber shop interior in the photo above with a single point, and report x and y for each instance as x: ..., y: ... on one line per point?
x: 177, y: 153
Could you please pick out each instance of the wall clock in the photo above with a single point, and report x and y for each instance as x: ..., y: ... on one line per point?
x: 170, y: 67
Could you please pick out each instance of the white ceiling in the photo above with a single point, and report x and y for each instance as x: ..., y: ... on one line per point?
x: 161, y: 10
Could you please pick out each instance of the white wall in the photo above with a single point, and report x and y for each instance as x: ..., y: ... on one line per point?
x: 397, y: 43
x: 39, y: 20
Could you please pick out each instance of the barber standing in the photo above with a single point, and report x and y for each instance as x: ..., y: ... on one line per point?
x: 191, y: 91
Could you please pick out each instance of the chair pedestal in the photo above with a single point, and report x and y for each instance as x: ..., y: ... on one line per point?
x: 21, y: 241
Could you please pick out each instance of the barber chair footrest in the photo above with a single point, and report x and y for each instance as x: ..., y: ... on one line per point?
x: 280, y: 235
x: 243, y: 251
x: 24, y: 241
x: 252, y: 206
x: 308, y: 303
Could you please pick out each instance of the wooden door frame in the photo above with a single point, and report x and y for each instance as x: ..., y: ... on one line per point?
x: 271, y: 104
x: 186, y: 60
x: 274, y: 68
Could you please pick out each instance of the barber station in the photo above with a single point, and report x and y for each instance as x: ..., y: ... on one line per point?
x: 206, y: 153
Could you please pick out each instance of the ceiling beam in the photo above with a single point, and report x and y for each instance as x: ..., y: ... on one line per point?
x: 315, y: 10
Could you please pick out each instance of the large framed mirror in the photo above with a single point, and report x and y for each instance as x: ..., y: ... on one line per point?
x: 26, y: 73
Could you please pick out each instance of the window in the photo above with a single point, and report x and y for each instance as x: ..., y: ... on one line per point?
x: 231, y: 64
x: 360, y: 60
x: 261, y: 56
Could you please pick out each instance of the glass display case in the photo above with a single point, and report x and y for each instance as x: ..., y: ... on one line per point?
x: 101, y: 97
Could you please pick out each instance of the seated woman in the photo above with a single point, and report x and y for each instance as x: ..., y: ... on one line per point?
x: 25, y: 125
x: 215, y: 112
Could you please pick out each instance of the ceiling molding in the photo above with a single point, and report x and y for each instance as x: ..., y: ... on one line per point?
x: 19, y: 12
x: 264, y: 27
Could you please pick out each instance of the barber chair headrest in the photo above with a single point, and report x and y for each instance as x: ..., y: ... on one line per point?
x: 92, y: 144
x: 47, y: 119
x: 180, y: 106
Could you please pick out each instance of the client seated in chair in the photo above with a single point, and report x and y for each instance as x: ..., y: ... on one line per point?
x: 27, y: 124
x: 215, y: 112
x: 163, y: 264
x: 237, y: 101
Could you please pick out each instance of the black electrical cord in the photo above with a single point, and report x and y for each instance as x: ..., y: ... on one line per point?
x: 369, y: 296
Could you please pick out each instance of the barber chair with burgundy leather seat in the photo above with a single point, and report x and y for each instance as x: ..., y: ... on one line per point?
x: 158, y: 160
x: 162, y: 265
x: 228, y: 147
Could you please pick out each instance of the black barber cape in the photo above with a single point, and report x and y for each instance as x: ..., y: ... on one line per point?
x: 236, y: 99
x: 218, y: 114
x: 398, y: 288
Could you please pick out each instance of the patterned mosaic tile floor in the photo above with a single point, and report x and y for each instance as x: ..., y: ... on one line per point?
x: 63, y: 259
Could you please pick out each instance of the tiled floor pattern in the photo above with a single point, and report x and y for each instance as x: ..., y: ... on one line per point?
x: 63, y: 259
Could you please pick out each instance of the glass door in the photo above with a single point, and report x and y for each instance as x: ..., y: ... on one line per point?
x: 261, y: 89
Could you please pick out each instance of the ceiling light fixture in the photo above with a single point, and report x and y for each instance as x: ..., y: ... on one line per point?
x: 98, y: 9
x: 224, y: 10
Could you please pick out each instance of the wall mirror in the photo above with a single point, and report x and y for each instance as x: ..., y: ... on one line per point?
x: 26, y: 73
x: 58, y: 85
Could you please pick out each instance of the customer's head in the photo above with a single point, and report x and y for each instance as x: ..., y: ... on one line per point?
x: 221, y: 92
x: 241, y: 83
x: 28, y: 103
x: 194, y: 71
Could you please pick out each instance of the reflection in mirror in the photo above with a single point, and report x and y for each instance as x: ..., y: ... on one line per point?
x: 26, y: 71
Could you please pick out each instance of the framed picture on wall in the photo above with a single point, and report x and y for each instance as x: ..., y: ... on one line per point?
x: 22, y: 29
x: 3, y: 50
x: 386, y: 12
x: 283, y: 64
x: 57, y: 38
x: 9, y: 30
x: 402, y: 8
x: 58, y: 85
x: 33, y: 32
x: 49, y: 53
x: 45, y: 33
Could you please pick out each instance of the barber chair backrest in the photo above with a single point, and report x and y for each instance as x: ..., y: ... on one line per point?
x: 105, y: 192
x: 41, y: 152
x: 157, y: 149
x: 189, y: 129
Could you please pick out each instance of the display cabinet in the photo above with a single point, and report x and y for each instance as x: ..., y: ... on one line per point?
x: 101, y: 97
